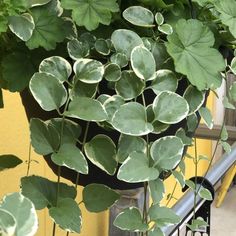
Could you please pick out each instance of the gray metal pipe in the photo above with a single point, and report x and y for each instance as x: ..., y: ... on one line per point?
x: 185, y: 205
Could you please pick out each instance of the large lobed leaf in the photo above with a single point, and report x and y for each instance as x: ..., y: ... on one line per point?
x: 89, y: 13
x: 191, y: 46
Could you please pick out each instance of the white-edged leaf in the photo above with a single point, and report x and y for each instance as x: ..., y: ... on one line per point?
x: 7, y: 223
x: 112, y: 72
x: 131, y: 119
x: 166, y: 29
x: 206, y: 116
x: 159, y: 18
x: 205, y: 194
x: 157, y: 190
x: 78, y: 49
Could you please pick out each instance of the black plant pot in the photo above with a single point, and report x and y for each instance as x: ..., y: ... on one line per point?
x: 96, y: 175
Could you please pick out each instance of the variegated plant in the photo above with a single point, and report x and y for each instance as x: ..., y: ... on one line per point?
x: 64, y: 50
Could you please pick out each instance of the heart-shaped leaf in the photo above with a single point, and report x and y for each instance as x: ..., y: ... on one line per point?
x: 77, y: 49
x: 98, y: 197
x: 164, y: 80
x: 163, y: 216
x: 22, y: 26
x: 167, y: 152
x: 178, y: 107
x: 143, y: 63
x: 56, y: 66
x: 101, y: 151
x: 194, y: 56
x: 131, y: 219
x: 24, y: 213
x: 44, y: 137
x: 7, y: 223
x: 157, y: 190
x: 70, y: 156
x: 125, y: 40
x: 90, y: 13
x: 88, y: 71
x: 128, y: 144
x: 67, y: 215
x: 131, y: 119
x: 43, y: 192
x: 48, y: 91
x: 86, y: 109
x: 136, y: 169
x: 102, y: 46
x: 112, y: 72
x: 139, y: 16
x: 9, y: 161
x: 194, y: 97
x: 129, y: 86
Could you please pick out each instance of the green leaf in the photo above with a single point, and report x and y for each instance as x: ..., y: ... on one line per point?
x: 112, y: 72
x: 205, y: 194
x: 226, y: 146
x: 233, y: 66
x: 22, y: 26
x: 190, y: 184
x: 196, y: 224
x: 129, y: 86
x: 86, y: 109
x: 70, y: 156
x: 224, y: 134
x: 179, y: 178
x: 232, y: 91
x: 156, y: 232
x: 180, y: 133
x: 163, y: 216
x: 48, y: 91
x: 130, y: 219
x: 77, y: 49
x: 3, y: 24
x: 178, y: 107
x: 81, y: 89
x: 164, y: 80
x: 44, y: 136
x: 143, y: 63
x: 67, y: 215
x: 125, y: 41
x: 112, y: 104
x: 9, y: 161
x: 24, y: 213
x: 194, y: 56
x: 50, y: 28
x: 139, y: 16
x: 33, y: 3
x: 194, y: 97
x: 167, y: 152
x: 131, y: 119
x: 227, y: 10
x: 90, y: 13
x: 206, y: 116
x: 227, y: 104
x: 17, y: 69
x: 157, y: 190
x: 102, y: 46
x: 56, y: 66
x: 192, y: 122
x: 88, y: 71
x: 165, y: 29
x: 71, y: 130
x: 43, y: 192
x: 7, y: 223
x: 156, y: 3
x: 128, y: 144
x: 159, y: 18
x: 120, y: 59
x: 101, y: 151
x: 135, y: 169
x: 98, y: 197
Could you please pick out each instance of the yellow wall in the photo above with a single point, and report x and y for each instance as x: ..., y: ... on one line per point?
x: 14, y: 139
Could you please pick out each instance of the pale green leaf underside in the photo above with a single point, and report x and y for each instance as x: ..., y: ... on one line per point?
x: 191, y: 48
x: 206, y: 116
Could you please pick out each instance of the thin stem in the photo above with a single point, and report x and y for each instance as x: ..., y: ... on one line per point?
x: 196, y: 174
x: 29, y: 160
x: 192, y: 10
x: 172, y: 194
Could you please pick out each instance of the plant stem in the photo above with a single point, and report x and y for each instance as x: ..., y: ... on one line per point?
x: 172, y: 194
x: 29, y: 160
x: 192, y: 10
